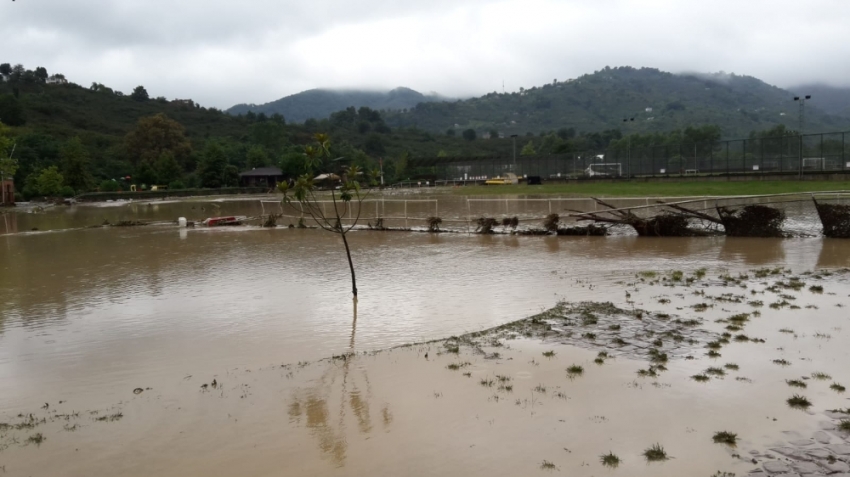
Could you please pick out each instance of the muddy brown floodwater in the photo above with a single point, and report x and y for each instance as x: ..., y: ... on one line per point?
x: 147, y: 351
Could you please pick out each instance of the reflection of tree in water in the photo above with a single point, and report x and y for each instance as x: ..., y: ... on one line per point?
x: 753, y: 251
x: 834, y: 253
x: 348, y: 387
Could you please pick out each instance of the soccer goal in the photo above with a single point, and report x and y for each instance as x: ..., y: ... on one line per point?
x: 604, y: 169
x: 816, y: 163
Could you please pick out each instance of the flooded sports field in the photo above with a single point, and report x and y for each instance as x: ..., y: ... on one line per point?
x: 154, y: 350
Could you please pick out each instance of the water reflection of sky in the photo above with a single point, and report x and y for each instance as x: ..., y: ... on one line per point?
x: 91, y: 305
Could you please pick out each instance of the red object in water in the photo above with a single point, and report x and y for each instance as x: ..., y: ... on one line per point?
x: 216, y: 221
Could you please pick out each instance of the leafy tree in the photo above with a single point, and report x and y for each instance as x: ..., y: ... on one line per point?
x: 5, y: 69
x: 17, y: 73
x: 469, y: 134
x: 528, y: 149
x: 49, y: 182
x: 11, y: 111
x: 257, y: 157
x: 109, y: 185
x: 278, y: 118
x: 167, y: 168
x: 304, y: 194
x: 494, y: 134
x: 75, y: 165
x: 154, y: 135
x: 139, y: 94
x: 450, y: 132
x: 41, y: 74
x: 8, y: 165
x: 212, y: 166
x: 230, y: 178
x: 374, y: 145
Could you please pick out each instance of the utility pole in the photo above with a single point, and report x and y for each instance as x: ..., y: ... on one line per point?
x: 802, y: 118
x: 629, y: 167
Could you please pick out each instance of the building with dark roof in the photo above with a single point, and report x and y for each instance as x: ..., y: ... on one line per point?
x: 261, y: 177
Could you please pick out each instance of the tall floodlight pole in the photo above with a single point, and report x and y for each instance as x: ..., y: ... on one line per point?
x: 802, y: 117
x: 629, y: 167
x: 513, y: 138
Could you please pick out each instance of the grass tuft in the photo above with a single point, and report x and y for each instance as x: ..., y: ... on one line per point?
x: 724, y: 437
x: 844, y: 425
x: 799, y: 402
x: 837, y: 388
x: 575, y: 370
x: 700, y: 378
x: 732, y: 366
x: 821, y: 376
x: 610, y: 460
x: 796, y: 383
x: 655, y: 453
x: 549, y: 354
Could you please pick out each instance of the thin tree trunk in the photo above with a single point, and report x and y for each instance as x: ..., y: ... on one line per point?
x: 351, y: 266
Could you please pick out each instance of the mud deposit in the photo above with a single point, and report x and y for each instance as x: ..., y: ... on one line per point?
x: 699, y: 373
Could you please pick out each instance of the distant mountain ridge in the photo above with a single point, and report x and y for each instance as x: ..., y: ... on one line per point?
x: 657, y: 100
x: 320, y: 103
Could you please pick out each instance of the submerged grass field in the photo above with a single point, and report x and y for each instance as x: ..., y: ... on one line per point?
x: 659, y: 189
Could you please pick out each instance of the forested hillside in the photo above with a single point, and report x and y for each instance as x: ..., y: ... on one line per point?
x: 320, y: 103
x: 65, y: 139
x: 657, y: 101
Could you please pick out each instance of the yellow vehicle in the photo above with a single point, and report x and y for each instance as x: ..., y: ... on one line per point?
x: 509, y: 179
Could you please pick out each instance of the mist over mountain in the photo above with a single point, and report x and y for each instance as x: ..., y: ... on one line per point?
x: 320, y: 103
x: 831, y: 99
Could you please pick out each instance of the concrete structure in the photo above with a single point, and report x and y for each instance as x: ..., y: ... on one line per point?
x: 7, y: 192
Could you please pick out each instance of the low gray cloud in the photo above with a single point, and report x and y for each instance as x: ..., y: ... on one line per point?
x: 222, y: 53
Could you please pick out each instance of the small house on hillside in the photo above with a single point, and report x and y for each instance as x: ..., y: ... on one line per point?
x: 261, y: 177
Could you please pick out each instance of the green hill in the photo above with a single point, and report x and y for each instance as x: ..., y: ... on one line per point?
x: 657, y: 101
x: 320, y: 103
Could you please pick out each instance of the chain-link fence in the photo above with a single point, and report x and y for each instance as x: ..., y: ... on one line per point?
x: 811, y: 153
x: 778, y: 215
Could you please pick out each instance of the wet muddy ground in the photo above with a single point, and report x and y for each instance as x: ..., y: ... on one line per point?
x: 668, y: 372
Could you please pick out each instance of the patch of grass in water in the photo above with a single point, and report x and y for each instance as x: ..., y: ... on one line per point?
x: 610, y: 460
x: 728, y: 438
x: 782, y: 362
x: 796, y: 383
x: 36, y: 439
x: 787, y: 330
x: 713, y: 354
x: 549, y: 354
x: 844, y: 425
x: 655, y: 453
x: 715, y: 372
x: 821, y: 376
x: 700, y: 378
x: 816, y: 289
x: 487, y: 383
x: 714, y: 344
x: 798, y: 402
x: 742, y: 338
x: 546, y: 465
x: 837, y: 388
x: 457, y: 366
x: 614, y: 327
x: 575, y: 370
x: 731, y: 366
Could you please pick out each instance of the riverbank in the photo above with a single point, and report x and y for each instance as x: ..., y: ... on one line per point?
x: 554, y: 392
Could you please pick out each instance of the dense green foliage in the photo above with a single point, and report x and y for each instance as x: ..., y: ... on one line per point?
x: 99, y: 138
x: 320, y: 103
x: 657, y: 101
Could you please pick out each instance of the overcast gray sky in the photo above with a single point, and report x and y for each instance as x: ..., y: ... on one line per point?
x: 225, y: 52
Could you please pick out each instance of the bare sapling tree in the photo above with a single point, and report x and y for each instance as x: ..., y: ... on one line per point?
x: 309, y: 194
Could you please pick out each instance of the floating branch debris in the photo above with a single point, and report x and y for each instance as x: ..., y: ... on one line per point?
x: 752, y: 221
x: 835, y: 219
